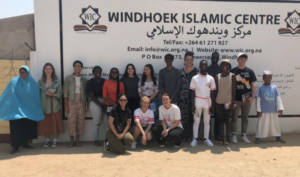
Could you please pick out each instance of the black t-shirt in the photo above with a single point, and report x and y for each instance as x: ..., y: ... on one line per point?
x: 244, y: 79
x: 120, y: 125
x: 131, y: 86
x: 95, y: 87
x: 214, y: 70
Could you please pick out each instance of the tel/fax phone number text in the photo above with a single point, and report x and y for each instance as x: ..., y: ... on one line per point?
x: 195, y: 42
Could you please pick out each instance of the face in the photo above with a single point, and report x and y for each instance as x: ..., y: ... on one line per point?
x: 203, y: 66
x: 145, y: 103
x: 188, y: 61
x: 147, y: 71
x: 114, y: 74
x: 122, y: 101
x: 166, y: 100
x: 169, y: 61
x: 130, y: 70
x: 225, y: 66
x: 242, y: 61
x: 48, y: 70
x: 23, y: 73
x: 267, y: 79
x: 97, y: 72
x: 77, y: 68
x: 214, y: 58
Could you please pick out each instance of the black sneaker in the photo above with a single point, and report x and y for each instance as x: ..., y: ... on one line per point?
x: 105, y: 145
x: 13, y: 151
x: 27, y: 146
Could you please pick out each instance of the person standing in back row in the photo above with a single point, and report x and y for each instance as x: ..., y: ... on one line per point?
x: 169, y: 79
x: 245, y: 94
x: 214, y: 69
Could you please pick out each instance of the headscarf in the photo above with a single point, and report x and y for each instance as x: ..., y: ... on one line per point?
x: 21, y: 99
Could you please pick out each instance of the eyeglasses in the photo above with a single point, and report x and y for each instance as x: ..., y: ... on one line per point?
x: 122, y: 100
x: 114, y: 72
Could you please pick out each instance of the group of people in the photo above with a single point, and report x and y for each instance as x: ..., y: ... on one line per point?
x: 129, y: 105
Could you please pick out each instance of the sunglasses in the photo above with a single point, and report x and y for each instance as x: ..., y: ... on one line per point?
x: 122, y: 100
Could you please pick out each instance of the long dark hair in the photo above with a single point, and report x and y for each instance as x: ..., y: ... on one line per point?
x: 118, y: 108
x: 53, y: 75
x: 126, y: 73
x: 144, y: 77
x: 118, y: 80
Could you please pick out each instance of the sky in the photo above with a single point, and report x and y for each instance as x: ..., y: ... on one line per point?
x: 12, y: 8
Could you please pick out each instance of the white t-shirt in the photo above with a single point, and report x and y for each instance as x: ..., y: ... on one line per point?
x: 203, y: 85
x: 170, y: 115
x: 144, y: 118
x: 77, y: 84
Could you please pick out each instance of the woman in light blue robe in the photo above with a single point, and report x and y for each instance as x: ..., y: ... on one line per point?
x: 20, y: 104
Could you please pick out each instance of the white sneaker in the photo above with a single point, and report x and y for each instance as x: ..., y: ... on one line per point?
x: 133, y: 145
x: 194, y: 143
x: 234, y: 139
x: 207, y: 142
x: 245, y: 139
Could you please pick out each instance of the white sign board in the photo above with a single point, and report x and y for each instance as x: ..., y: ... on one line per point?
x: 115, y: 33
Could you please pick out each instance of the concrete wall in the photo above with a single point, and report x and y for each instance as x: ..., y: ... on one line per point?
x: 14, y: 32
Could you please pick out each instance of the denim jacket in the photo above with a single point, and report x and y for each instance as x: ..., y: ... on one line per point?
x: 45, y: 99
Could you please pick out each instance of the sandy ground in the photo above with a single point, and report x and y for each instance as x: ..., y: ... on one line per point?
x: 269, y: 158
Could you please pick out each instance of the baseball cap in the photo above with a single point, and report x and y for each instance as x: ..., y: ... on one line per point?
x: 242, y: 55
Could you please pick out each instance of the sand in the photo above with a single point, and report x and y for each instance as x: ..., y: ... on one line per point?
x: 269, y: 158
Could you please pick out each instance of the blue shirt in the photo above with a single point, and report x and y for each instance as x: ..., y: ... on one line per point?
x: 267, y: 95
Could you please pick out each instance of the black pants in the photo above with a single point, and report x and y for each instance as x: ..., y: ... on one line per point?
x: 174, y: 134
x: 21, y: 131
x: 224, y: 117
x: 217, y: 124
x: 133, y: 104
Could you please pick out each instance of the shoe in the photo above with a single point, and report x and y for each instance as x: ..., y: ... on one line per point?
x: 54, y: 144
x: 176, y: 146
x: 105, y: 145
x: 234, y: 139
x: 27, y: 146
x: 162, y: 145
x: 97, y: 143
x: 13, y: 151
x: 46, y: 144
x: 207, y: 142
x: 194, y: 143
x: 245, y: 139
x: 133, y: 145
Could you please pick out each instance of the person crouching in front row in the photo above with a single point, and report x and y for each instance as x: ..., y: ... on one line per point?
x: 119, y: 122
x: 171, y: 126
x: 143, y: 119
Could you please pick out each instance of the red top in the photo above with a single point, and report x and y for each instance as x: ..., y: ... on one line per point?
x: 110, y: 89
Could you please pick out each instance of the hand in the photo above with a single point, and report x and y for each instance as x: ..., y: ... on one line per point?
x: 166, y: 133
x: 49, y: 93
x: 217, y: 107
x: 212, y: 109
x: 231, y: 107
x: 67, y: 108
x: 119, y: 136
x: 280, y: 113
x: 193, y: 109
x: 163, y: 132
x: 86, y: 107
x: 144, y: 139
x: 250, y: 100
x: 259, y: 114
